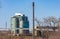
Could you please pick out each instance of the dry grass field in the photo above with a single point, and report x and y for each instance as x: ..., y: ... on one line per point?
x: 17, y: 37
x: 6, y: 35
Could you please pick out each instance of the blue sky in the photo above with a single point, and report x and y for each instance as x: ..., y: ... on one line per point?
x: 43, y: 8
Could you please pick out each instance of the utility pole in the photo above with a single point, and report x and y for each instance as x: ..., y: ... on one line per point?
x: 33, y: 19
x: 6, y: 25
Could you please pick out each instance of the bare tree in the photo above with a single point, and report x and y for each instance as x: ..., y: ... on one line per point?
x: 58, y: 23
x: 45, y: 21
x: 51, y: 21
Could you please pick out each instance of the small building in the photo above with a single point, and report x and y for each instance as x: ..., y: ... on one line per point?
x: 19, y: 24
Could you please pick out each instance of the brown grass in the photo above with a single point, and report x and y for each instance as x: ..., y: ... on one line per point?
x: 52, y: 35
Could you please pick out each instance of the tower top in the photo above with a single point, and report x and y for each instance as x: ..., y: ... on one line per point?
x: 19, y: 14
